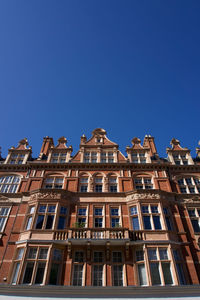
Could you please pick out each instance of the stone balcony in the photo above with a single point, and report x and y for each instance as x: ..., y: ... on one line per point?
x: 97, y: 235
x: 119, y: 235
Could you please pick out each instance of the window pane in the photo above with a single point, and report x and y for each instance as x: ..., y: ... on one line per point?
x: 154, y: 209
x: 114, y: 211
x: 118, y: 275
x: 83, y: 189
x: 28, y: 273
x: 43, y: 253
x: 98, y: 256
x: 32, y: 253
x: 49, y: 223
x: 4, y: 211
x: 145, y: 209
x: 114, y: 222
x: 168, y: 222
x: 78, y: 274
x: 79, y: 255
x: 163, y: 254
x: 156, y: 220
x: 139, y: 255
x: 20, y: 253
x: 42, y: 208
x: 147, y: 223
x: 136, y: 225
x: 98, y: 211
x: 98, y: 275
x: 51, y: 208
x: 39, y: 222
x: 82, y: 211
x: 15, y: 274
x: 98, y: 222
x: 57, y: 254
x: 181, y: 276
x: 61, y: 222
x: 63, y: 210
x: 54, y: 274
x: 117, y: 257
x: 134, y: 210
x: 29, y: 221
x: 2, y: 222
x: 40, y: 273
x: 152, y: 254
x: 167, y: 273
x: 142, y: 274
x: 98, y: 188
x: 155, y: 274
x: 195, y: 225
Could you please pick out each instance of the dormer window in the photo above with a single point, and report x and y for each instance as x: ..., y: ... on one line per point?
x: 107, y: 157
x: 16, y: 159
x: 90, y: 157
x: 58, y: 157
x: 138, y: 157
x: 180, y: 159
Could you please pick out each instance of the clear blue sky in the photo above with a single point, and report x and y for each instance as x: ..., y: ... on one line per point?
x: 130, y: 67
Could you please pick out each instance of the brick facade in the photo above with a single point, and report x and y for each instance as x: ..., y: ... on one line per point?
x: 100, y: 218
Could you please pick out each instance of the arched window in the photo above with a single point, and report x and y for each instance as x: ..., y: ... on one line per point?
x: 53, y: 182
x: 113, y: 184
x: 143, y: 183
x: 84, y: 181
x: 9, y: 184
x: 98, y: 184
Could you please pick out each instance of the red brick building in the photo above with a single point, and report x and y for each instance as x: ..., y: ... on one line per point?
x: 100, y: 218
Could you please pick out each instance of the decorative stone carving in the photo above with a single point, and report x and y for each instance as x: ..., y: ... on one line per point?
x: 143, y: 196
x: 4, y: 199
x: 191, y: 200
x: 50, y: 195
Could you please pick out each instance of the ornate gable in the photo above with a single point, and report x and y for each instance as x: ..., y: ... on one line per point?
x: 179, y: 155
x: 98, y: 149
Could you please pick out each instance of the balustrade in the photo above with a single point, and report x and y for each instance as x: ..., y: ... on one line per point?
x: 98, y: 234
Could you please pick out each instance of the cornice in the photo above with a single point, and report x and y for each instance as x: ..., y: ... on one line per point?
x: 99, y: 166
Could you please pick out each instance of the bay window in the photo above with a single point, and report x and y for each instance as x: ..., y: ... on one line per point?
x: 56, y: 265
x: 160, y: 266
x: 36, y: 263
x: 17, y: 263
x: 151, y: 217
x: 134, y: 218
x: 45, y: 216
